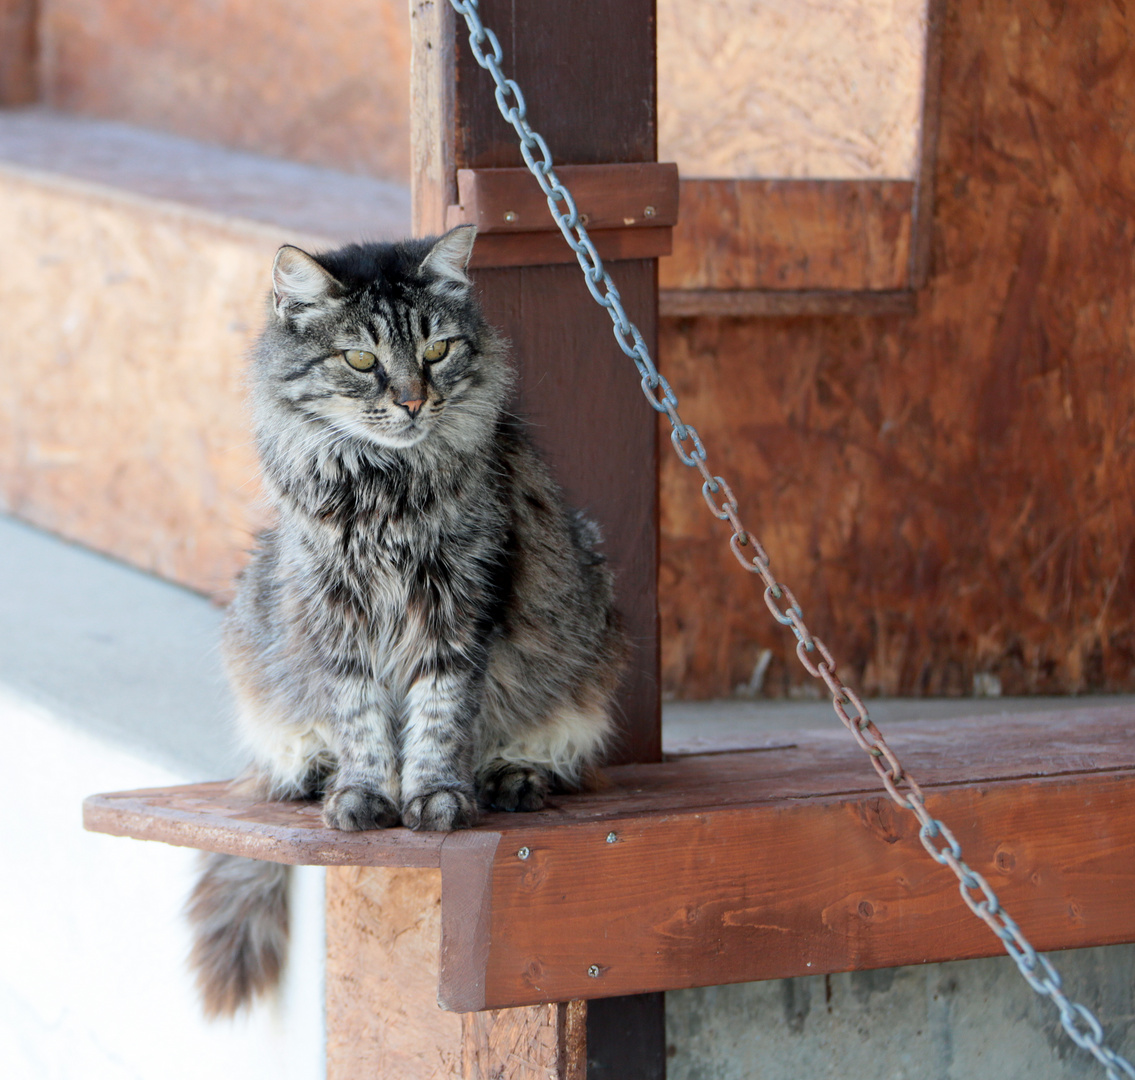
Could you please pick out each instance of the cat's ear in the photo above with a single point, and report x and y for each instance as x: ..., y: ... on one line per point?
x: 449, y: 257
x: 298, y: 281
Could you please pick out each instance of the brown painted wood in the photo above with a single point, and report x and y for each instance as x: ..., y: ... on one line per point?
x: 18, y: 62
x: 746, y: 865
x: 382, y: 1015
x: 791, y: 234
x: 219, y: 817
x: 546, y: 248
x: 433, y: 101
x: 629, y: 195
x: 823, y: 885
x: 578, y: 390
x: 778, y: 303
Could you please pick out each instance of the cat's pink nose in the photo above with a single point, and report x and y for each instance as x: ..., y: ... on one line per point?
x: 412, y: 407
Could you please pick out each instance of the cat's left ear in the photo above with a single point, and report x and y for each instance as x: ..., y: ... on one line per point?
x: 449, y: 257
x: 298, y: 282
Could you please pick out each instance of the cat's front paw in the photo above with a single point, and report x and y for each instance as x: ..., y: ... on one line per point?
x: 440, y: 811
x: 355, y: 808
x: 511, y: 786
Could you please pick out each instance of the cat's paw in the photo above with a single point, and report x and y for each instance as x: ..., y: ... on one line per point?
x: 510, y: 786
x: 440, y: 811
x: 353, y: 809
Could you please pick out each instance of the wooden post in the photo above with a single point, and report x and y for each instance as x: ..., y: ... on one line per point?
x: 587, y: 71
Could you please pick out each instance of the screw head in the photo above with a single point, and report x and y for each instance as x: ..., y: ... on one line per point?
x: 523, y: 853
x: 612, y: 838
x: 584, y: 220
x: 593, y: 971
x: 510, y: 216
x: 649, y: 212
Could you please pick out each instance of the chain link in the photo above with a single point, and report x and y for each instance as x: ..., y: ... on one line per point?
x: 1078, y: 1022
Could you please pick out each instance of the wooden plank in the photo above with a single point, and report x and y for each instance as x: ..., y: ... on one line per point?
x: 791, y: 234
x: 219, y: 817
x: 818, y: 764
x: 546, y: 248
x: 382, y: 1015
x: 433, y: 99
x: 738, y: 894
x: 18, y: 66
x: 629, y: 195
x: 781, y: 303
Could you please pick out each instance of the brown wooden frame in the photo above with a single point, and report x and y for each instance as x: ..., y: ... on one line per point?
x: 809, y: 247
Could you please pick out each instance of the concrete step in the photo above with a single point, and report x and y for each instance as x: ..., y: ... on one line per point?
x: 133, y: 280
x: 323, y: 84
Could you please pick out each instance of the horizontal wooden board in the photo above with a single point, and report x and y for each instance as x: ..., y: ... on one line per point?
x: 550, y: 248
x: 777, y: 303
x: 629, y: 195
x: 791, y: 234
x: 815, y: 886
x: 730, y: 867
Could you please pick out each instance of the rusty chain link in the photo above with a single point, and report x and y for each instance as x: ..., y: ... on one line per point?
x: 1078, y: 1022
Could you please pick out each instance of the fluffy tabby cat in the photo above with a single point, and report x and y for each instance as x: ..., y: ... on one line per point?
x: 426, y: 626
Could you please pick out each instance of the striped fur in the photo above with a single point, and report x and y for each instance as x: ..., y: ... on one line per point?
x: 426, y: 627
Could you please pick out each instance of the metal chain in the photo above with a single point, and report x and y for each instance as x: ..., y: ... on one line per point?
x: 1079, y: 1023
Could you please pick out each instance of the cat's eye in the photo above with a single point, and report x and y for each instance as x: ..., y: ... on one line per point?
x: 435, y: 351
x: 359, y: 359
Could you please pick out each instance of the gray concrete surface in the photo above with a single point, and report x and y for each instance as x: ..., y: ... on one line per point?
x: 114, y: 651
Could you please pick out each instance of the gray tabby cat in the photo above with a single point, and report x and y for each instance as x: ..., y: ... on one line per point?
x: 426, y: 626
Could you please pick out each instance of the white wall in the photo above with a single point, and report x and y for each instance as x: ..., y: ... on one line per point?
x: 93, y: 984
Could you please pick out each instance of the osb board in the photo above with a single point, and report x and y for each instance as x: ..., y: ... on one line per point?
x: 383, y: 934
x: 949, y: 494
x: 328, y: 86
x: 812, y: 88
x: 126, y: 326
x: 791, y: 234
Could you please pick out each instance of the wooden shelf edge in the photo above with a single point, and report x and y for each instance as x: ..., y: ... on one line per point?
x: 777, y: 303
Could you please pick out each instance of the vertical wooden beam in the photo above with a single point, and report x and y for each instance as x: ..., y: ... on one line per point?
x: 587, y: 71
x: 383, y: 1019
x: 922, y: 231
x: 18, y: 47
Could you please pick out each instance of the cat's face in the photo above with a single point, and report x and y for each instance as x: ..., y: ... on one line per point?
x: 381, y: 342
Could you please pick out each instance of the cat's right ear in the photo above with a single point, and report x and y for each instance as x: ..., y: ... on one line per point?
x: 299, y: 282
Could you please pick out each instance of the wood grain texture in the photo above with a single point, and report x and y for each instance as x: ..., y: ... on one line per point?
x: 791, y: 234
x: 548, y: 248
x: 740, y: 866
x: 630, y: 195
x: 328, y: 89
x: 948, y: 493
x: 765, y: 303
x: 433, y: 100
x: 831, y: 884
x: 383, y: 927
x: 576, y: 387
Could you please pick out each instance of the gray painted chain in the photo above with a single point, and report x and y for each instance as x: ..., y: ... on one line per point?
x: 1081, y: 1026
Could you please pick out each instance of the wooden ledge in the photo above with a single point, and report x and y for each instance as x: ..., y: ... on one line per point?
x: 732, y: 867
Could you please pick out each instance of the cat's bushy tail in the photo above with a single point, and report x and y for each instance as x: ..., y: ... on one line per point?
x: 239, y: 915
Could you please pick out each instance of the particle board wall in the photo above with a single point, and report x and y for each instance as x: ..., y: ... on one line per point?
x: 325, y: 86
x: 949, y: 494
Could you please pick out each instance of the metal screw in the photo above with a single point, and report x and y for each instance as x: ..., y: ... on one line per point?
x: 510, y: 216
x: 593, y: 971
x: 612, y: 838
x: 584, y: 220
x: 523, y: 853
x: 649, y: 212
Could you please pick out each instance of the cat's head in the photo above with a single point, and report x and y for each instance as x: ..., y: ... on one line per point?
x: 383, y: 343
